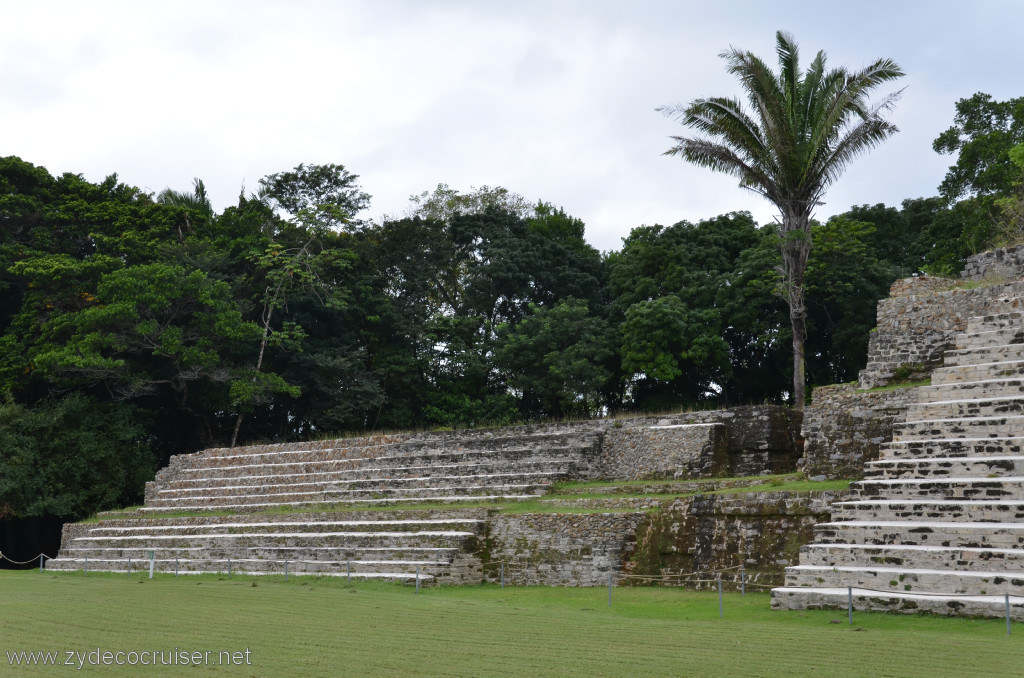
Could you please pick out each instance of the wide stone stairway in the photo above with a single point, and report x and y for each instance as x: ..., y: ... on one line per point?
x: 937, y: 524
x: 306, y: 506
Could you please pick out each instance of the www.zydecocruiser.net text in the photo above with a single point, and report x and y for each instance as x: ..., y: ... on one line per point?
x: 100, y: 657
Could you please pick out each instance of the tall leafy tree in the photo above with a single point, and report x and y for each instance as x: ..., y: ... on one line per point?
x: 983, y: 133
x: 984, y: 176
x: 698, y: 323
x: 555, y: 359
x: 804, y: 129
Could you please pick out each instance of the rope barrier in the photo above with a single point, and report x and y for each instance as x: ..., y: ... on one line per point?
x: 521, y: 568
x: 3, y: 556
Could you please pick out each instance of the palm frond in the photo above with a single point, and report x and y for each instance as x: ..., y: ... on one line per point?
x: 802, y: 130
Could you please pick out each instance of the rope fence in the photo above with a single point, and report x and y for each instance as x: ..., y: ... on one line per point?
x: 503, y: 567
x: 41, y: 558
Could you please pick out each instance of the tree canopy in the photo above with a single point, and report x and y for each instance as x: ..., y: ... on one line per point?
x: 802, y: 130
x: 134, y: 327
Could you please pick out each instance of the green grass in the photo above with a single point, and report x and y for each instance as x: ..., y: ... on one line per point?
x: 897, y: 385
x: 760, y: 479
x: 314, y: 627
x: 787, y: 482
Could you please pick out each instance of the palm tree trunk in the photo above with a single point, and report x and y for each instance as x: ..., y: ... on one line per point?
x: 796, y: 249
x: 799, y: 323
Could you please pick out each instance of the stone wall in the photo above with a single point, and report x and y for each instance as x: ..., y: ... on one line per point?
x: 844, y: 427
x: 1005, y: 262
x: 560, y: 549
x: 915, y: 330
x: 667, y: 451
x: 919, y: 321
x: 757, y: 439
x: 759, y: 533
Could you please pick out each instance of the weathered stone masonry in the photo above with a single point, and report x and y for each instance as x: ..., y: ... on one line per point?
x: 560, y: 549
x: 735, y: 442
x: 917, y: 324
x: 759, y: 533
x: 844, y: 427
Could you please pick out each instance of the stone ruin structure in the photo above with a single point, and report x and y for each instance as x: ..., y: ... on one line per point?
x: 312, y: 505
x: 937, y: 523
x: 934, y: 428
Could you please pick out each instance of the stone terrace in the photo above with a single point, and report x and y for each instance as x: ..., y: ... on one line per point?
x: 317, y: 505
x: 937, y: 524
x: 339, y: 477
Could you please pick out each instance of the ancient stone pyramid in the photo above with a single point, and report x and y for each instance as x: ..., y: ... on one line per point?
x: 305, y: 506
x: 937, y: 523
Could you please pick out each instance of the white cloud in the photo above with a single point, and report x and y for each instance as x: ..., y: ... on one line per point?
x: 554, y: 100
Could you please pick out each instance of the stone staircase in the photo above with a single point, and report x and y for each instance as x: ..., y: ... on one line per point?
x: 307, y: 504
x: 937, y: 524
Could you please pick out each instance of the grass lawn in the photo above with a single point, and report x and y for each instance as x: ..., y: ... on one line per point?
x: 548, y: 503
x: 315, y: 627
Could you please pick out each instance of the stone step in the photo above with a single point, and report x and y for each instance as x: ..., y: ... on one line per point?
x: 959, y: 447
x: 1003, y: 426
x: 504, y: 439
x: 164, y: 561
x: 375, y: 444
x: 944, y: 510
x: 254, y: 503
x: 995, y: 321
x: 957, y: 374
x: 235, y: 542
x: 998, y: 337
x: 279, y: 453
x: 363, y: 474
x: 933, y: 557
x: 424, y: 494
x: 353, y: 552
x: 921, y: 533
x: 953, y: 487
x: 798, y: 598
x: 340, y: 445
x: 907, y: 580
x: 312, y: 526
x: 976, y: 407
x: 246, y: 467
x: 985, y: 354
x: 971, y: 390
x: 395, y: 570
x: 942, y: 467
x: 373, y: 485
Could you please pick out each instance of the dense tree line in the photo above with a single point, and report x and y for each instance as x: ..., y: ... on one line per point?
x: 134, y: 326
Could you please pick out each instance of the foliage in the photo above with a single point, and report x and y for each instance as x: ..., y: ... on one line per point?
x: 979, y: 188
x: 697, y: 318
x: 555, y: 359
x: 326, y: 196
x: 445, y: 203
x: 1010, y: 208
x: 805, y: 128
x: 982, y: 135
x: 71, y: 457
x: 845, y: 280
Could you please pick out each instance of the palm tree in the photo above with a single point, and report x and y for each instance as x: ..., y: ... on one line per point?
x: 197, y: 202
x: 805, y: 128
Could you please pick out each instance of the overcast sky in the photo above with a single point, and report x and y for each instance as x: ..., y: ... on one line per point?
x: 552, y: 100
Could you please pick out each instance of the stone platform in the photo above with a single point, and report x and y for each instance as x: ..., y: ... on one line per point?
x: 937, y: 524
